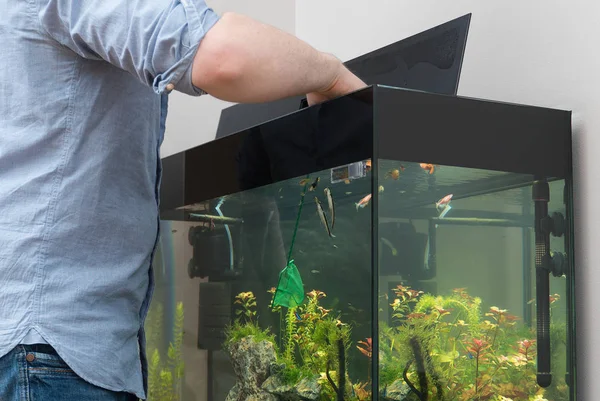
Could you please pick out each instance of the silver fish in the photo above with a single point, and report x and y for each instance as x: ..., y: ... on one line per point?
x: 331, y: 206
x: 323, y: 217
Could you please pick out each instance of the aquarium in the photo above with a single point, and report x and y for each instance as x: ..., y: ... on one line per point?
x: 387, y: 245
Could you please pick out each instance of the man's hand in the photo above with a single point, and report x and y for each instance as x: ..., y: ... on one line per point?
x: 344, y: 82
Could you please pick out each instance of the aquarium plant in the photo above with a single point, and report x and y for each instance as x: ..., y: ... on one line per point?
x: 165, y: 365
x: 311, y: 351
x: 447, y: 348
x: 434, y: 348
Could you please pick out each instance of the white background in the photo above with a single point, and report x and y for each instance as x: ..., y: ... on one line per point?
x: 536, y: 52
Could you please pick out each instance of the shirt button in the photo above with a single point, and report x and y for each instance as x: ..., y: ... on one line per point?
x: 30, y: 357
x: 170, y: 87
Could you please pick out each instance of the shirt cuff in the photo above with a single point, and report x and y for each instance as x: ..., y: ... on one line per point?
x: 200, y: 19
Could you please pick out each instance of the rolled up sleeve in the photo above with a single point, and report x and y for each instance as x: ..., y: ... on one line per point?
x: 154, y: 40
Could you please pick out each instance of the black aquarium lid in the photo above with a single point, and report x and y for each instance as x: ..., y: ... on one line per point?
x: 474, y: 133
x: 430, y: 61
x: 376, y: 122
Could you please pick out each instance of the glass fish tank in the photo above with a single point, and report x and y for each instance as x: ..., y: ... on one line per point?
x: 390, y: 245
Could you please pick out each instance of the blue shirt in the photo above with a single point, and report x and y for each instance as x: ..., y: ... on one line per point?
x: 82, y: 108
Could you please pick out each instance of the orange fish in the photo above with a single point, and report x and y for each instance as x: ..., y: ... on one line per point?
x: 428, y: 167
x: 363, y: 202
x: 368, y: 165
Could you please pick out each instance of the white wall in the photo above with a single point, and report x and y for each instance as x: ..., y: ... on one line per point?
x: 193, y: 121
x: 536, y: 52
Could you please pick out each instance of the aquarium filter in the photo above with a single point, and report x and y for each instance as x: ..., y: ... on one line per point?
x: 546, y: 262
x: 215, y: 245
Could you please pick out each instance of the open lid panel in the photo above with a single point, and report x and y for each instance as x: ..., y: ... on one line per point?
x: 430, y: 61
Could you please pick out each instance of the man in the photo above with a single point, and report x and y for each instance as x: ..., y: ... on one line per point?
x: 82, y: 109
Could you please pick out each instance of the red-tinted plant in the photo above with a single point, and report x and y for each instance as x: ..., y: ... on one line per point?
x: 404, y: 297
x: 476, y: 349
x: 501, y: 320
x: 525, y: 348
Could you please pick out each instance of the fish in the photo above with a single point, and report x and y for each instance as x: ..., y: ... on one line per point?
x: 394, y: 173
x: 363, y: 202
x: 368, y: 165
x: 314, y: 184
x: 331, y: 205
x: 428, y: 167
x: 315, y: 271
x: 304, y: 181
x: 348, y: 193
x: 323, y: 217
x: 389, y: 244
x: 347, y: 181
x: 443, y: 205
x: 381, y: 189
x: 297, y: 316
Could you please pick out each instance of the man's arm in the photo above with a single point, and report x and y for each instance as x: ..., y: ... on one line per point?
x: 183, y: 45
x: 242, y: 60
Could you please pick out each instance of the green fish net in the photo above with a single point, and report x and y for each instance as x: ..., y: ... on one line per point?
x: 290, y: 288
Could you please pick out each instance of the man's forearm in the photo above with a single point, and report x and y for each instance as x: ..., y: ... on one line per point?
x: 242, y: 60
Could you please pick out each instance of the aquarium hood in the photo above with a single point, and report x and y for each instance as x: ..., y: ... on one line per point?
x: 376, y: 122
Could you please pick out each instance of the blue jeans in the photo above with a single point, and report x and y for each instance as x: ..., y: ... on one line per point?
x: 37, y: 373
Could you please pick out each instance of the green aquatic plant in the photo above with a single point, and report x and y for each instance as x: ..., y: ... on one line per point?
x: 290, y: 328
x: 315, y: 346
x: 235, y: 332
x: 245, y: 325
x: 247, y: 302
x: 332, y: 338
x: 165, y: 374
x: 445, y: 348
